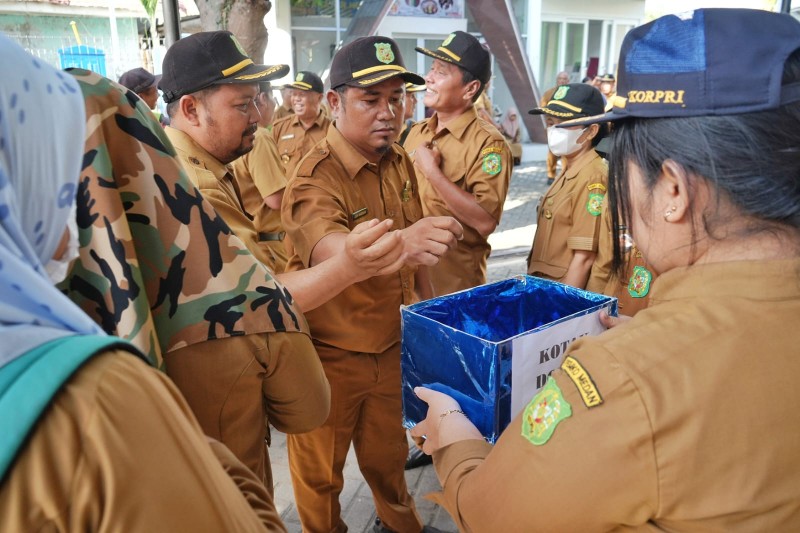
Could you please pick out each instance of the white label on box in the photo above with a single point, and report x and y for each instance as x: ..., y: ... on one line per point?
x: 536, y: 355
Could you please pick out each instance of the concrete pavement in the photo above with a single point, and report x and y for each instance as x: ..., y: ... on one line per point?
x: 510, y: 245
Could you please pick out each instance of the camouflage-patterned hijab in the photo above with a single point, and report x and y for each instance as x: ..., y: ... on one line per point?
x: 158, y: 266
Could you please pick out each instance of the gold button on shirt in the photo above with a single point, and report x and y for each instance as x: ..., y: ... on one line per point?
x: 464, y: 144
x: 294, y: 141
x: 335, y: 190
x: 567, y: 223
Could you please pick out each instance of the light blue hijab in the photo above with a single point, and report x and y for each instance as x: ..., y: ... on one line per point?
x: 42, y: 127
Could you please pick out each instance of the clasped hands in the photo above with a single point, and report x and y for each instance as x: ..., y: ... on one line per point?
x: 374, y: 250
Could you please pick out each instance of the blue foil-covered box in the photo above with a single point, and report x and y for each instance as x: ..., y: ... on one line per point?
x: 492, y: 347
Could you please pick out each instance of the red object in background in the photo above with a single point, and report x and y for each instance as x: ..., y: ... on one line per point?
x: 591, y: 70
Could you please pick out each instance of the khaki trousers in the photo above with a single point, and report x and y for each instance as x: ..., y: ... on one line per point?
x: 365, y: 410
x: 236, y: 385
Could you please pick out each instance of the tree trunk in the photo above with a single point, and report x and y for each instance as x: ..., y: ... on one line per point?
x: 243, y: 18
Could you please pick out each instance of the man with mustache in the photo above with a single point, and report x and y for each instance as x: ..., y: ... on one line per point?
x: 236, y: 384
x: 297, y: 134
x: 357, y: 172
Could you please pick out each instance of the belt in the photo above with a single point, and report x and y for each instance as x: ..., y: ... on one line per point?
x: 275, y: 236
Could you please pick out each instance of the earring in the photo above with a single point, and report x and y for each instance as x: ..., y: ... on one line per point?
x: 668, y: 213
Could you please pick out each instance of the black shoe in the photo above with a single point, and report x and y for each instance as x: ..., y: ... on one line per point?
x: 550, y: 180
x: 379, y: 528
x: 417, y: 458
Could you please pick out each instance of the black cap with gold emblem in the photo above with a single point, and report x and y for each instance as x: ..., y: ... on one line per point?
x: 573, y: 100
x: 462, y: 49
x: 369, y: 60
x: 210, y: 58
x: 307, y: 81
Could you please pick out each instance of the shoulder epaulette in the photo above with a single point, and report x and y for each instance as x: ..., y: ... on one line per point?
x: 307, y: 165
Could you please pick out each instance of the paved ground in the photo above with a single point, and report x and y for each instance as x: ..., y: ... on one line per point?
x: 510, y: 245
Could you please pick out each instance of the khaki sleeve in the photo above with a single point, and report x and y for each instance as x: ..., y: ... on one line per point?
x: 119, y: 449
x: 265, y: 167
x: 601, y: 268
x: 296, y: 390
x: 488, y: 178
x: 596, y: 471
x: 312, y: 209
x: 585, y: 229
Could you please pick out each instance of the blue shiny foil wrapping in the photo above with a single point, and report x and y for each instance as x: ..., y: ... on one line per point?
x: 460, y: 344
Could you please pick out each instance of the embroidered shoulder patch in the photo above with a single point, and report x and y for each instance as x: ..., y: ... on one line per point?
x: 491, y: 150
x: 492, y: 164
x: 595, y: 204
x: 596, y: 186
x: 639, y: 284
x: 547, y: 409
x: 581, y: 378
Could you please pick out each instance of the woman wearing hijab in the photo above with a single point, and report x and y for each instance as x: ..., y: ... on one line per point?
x: 687, y: 416
x: 91, y: 437
x: 509, y: 127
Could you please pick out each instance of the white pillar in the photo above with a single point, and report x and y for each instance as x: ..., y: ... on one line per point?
x: 279, y: 48
x: 111, y: 72
x: 534, y: 35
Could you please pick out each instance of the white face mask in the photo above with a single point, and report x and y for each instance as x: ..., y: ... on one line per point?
x: 563, y: 141
x: 57, y: 269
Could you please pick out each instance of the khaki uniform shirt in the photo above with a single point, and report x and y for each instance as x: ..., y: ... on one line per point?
x: 568, y: 217
x: 698, y: 429
x: 604, y: 281
x: 259, y: 174
x: 335, y: 189
x: 119, y: 450
x: 219, y: 187
x: 294, y: 141
x: 476, y: 157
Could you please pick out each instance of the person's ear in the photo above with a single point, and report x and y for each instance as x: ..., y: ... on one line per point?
x: 189, y: 107
x: 334, y: 102
x: 672, y: 193
x: 591, y: 132
x: 470, y: 90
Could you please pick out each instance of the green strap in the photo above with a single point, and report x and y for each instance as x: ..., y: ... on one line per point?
x: 28, y: 384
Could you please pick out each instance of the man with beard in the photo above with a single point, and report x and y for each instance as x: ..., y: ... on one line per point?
x: 358, y: 171
x: 236, y: 384
x: 297, y: 134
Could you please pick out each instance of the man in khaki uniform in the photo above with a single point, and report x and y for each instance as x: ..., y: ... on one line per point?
x: 295, y: 135
x: 259, y: 174
x: 234, y: 385
x: 209, y: 85
x: 562, y: 78
x: 359, y: 171
x: 463, y: 163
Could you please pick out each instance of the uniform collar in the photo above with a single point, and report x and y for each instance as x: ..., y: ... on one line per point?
x: 457, y: 127
x: 196, y: 154
x: 319, y: 121
x: 351, y: 159
x: 579, y: 164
